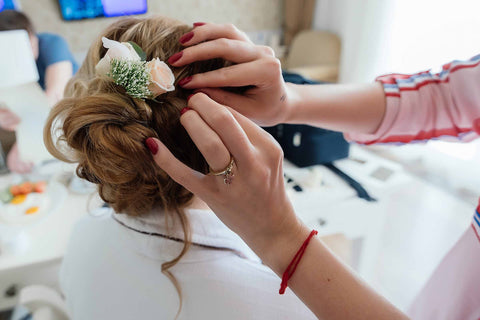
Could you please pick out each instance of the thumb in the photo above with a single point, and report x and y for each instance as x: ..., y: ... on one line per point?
x: 190, y: 179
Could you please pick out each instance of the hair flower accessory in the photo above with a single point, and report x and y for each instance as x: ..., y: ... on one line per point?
x: 125, y: 63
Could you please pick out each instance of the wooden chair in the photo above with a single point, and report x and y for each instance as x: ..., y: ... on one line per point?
x: 315, y: 55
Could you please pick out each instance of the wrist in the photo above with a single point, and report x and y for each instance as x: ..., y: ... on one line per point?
x: 278, y: 249
x: 291, y: 102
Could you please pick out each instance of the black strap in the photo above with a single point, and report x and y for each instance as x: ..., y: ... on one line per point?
x: 361, y: 192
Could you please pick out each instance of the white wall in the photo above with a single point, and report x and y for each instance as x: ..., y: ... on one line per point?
x: 360, y: 25
x: 263, y: 16
x: 429, y: 33
x: 403, y: 36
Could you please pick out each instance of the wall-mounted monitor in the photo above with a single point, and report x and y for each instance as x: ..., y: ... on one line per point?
x: 87, y: 9
x: 8, y: 5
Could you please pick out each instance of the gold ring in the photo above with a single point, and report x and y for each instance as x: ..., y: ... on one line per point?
x: 227, y: 172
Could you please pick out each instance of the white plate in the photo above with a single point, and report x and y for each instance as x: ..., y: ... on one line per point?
x: 49, y: 202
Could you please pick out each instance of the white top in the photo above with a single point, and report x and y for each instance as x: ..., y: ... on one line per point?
x: 113, y: 272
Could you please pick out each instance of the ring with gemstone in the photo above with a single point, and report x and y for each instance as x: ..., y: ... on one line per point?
x: 227, y: 172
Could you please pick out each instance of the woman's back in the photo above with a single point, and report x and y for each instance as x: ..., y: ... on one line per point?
x: 113, y: 271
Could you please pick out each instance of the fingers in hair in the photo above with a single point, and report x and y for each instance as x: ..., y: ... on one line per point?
x: 192, y: 180
x: 211, y: 31
x: 232, y: 50
x: 206, y: 140
x: 221, y: 120
x: 245, y: 74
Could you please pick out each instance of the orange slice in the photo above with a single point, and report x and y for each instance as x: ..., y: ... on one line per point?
x: 18, y: 199
x: 32, y: 210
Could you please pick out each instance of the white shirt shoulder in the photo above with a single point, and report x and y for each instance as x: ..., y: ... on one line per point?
x: 112, y: 272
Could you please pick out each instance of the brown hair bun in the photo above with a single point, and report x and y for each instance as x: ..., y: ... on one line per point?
x: 103, y: 129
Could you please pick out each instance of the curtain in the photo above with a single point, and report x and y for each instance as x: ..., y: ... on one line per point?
x: 298, y: 17
x: 364, y: 27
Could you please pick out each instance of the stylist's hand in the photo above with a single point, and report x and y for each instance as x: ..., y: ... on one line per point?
x: 266, y: 103
x: 256, y: 207
x: 255, y: 204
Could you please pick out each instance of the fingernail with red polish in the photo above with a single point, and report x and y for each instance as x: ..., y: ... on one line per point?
x: 184, y: 81
x: 190, y: 96
x: 184, y: 110
x: 198, y: 24
x: 186, y: 37
x: 201, y: 91
x: 175, y: 57
x: 152, y: 146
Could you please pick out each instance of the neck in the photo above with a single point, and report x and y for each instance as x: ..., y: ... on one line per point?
x: 197, y: 203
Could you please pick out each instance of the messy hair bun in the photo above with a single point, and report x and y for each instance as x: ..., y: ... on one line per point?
x: 103, y: 129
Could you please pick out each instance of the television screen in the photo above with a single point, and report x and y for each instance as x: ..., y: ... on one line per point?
x: 8, y: 5
x: 86, y: 9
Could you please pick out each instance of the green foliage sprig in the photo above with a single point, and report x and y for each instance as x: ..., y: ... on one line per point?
x: 132, y: 75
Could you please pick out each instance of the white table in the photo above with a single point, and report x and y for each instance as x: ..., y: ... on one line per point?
x: 402, y: 237
x: 39, y: 264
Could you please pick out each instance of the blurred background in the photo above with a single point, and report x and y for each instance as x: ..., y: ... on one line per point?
x: 390, y: 243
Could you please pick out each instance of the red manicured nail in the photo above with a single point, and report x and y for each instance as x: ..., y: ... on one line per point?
x: 198, y: 24
x: 201, y: 91
x: 188, y: 98
x: 186, y: 37
x: 184, y: 110
x: 175, y: 57
x: 152, y: 145
x: 184, y: 81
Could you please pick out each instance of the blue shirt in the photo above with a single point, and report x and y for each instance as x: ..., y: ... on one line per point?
x: 52, y: 48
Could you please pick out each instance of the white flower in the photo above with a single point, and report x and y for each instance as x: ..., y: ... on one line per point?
x: 161, y: 77
x: 116, y: 50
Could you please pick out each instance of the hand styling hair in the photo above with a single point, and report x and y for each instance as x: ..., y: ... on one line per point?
x: 103, y: 129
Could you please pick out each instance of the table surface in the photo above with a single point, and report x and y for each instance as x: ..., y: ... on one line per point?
x: 403, y: 236
x: 48, y: 237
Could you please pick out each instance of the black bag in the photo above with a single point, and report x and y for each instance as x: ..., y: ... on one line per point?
x: 306, y: 146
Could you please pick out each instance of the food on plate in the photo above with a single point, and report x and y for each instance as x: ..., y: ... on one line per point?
x: 15, y: 190
x: 40, y: 187
x: 24, y: 207
x: 5, y: 196
x: 32, y: 201
x: 32, y: 210
x: 19, y: 199
x: 28, y: 187
x: 24, y: 199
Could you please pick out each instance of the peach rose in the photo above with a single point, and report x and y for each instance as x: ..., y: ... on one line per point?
x: 116, y: 50
x: 162, y: 77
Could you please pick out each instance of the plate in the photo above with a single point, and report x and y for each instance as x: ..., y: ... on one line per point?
x: 48, y: 202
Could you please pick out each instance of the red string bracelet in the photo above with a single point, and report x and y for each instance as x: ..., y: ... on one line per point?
x: 294, y: 263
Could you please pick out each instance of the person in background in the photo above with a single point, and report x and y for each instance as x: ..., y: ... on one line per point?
x: 55, y: 65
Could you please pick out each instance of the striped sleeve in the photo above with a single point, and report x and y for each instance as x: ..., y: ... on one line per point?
x: 429, y: 105
x: 476, y: 222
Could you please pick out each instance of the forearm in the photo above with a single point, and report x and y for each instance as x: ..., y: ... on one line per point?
x: 356, y: 108
x: 324, y: 284
x: 56, y: 78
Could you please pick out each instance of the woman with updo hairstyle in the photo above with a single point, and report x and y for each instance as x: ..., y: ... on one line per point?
x: 161, y: 253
